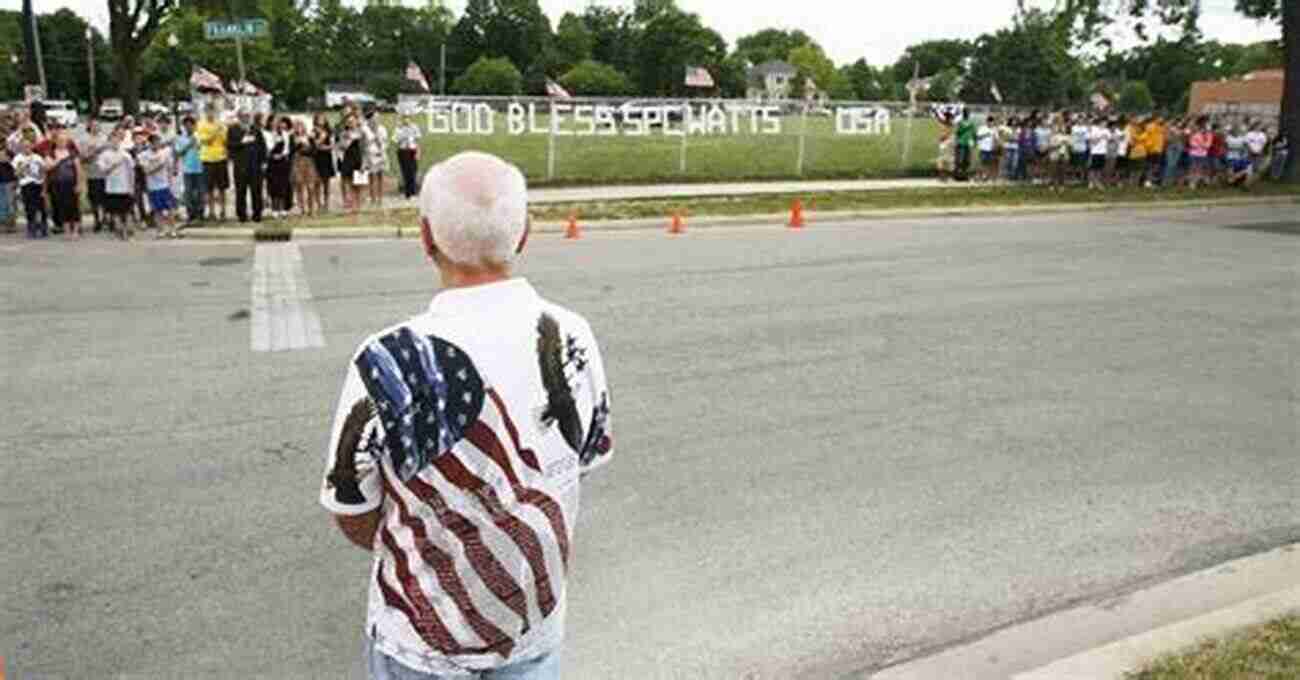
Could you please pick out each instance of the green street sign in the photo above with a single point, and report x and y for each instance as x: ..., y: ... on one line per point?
x: 229, y: 30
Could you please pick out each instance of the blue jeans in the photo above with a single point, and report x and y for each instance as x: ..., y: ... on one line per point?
x: 196, y: 194
x: 1173, y: 156
x: 7, y: 211
x: 383, y: 667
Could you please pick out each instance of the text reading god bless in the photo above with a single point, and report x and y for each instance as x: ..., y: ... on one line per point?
x: 584, y: 120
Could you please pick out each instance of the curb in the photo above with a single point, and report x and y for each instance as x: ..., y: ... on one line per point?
x: 385, y: 231
x: 1117, y: 658
x: 1106, y: 636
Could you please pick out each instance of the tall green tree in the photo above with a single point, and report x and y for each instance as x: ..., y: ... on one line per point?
x: 670, y: 42
x: 771, y: 44
x: 614, y: 36
x: 812, y: 64
x: 1030, y: 62
x: 132, y: 25
x: 574, y: 42
x: 933, y: 56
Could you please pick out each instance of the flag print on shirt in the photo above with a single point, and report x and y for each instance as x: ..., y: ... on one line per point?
x: 451, y: 446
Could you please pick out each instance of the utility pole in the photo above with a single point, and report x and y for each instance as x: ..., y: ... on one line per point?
x: 90, y: 60
x: 40, y: 62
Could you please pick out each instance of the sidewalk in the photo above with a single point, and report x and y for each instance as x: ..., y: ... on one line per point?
x: 1106, y: 638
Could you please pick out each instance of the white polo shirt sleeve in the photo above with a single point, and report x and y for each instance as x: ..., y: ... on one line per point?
x: 351, y: 484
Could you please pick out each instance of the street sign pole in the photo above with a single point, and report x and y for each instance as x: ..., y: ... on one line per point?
x: 239, y: 54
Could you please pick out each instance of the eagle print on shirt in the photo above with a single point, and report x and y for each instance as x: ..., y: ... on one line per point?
x: 562, y: 363
x: 358, y: 448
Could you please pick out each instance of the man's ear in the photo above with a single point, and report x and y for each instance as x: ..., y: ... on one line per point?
x: 528, y: 228
x: 426, y: 236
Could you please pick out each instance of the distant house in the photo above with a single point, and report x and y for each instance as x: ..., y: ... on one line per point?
x: 338, y: 94
x: 1258, y: 93
x: 771, y: 80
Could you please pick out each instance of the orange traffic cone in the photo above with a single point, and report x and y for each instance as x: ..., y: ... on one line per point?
x: 678, y: 226
x: 573, y: 231
x: 796, y: 214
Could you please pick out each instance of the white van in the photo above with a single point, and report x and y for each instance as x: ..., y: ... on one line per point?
x: 111, y: 110
x: 61, y: 110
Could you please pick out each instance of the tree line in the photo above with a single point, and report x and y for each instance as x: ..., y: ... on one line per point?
x: 511, y: 47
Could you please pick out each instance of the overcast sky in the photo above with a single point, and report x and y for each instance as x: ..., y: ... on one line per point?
x: 848, y: 30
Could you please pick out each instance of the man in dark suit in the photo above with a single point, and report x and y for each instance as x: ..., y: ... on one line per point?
x: 247, y: 148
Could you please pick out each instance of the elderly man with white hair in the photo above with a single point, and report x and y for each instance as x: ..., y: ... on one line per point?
x: 458, y: 445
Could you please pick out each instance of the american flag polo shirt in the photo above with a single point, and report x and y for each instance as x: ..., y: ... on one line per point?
x: 470, y: 426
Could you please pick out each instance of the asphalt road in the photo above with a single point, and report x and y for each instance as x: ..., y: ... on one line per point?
x: 837, y: 449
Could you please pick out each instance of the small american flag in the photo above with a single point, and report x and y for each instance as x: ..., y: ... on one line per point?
x: 997, y: 94
x: 414, y: 73
x: 698, y: 76
x: 203, y: 79
x: 553, y: 89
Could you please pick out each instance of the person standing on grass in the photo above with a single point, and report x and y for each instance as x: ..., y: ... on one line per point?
x: 459, y: 444
x: 1281, y: 151
x: 1176, y: 140
x: 8, y: 186
x: 306, y: 183
x: 1079, y: 148
x: 407, y: 137
x: 1218, y: 153
x: 1155, y: 136
x: 1098, y: 146
x: 323, y: 143
x: 965, y: 145
x: 375, y: 137
x: 1060, y: 144
x: 247, y: 160
x: 192, y: 174
x: 119, y: 184
x: 31, y: 169
x: 159, y: 163
x: 279, y: 165
x: 1198, y: 145
x: 1257, y: 144
x: 985, y: 141
x: 213, y: 136
x: 92, y: 142
x: 64, y: 175
x: 1010, y: 148
x: 352, y: 175
x: 1237, y: 157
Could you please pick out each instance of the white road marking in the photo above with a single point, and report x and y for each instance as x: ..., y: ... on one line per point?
x: 283, y: 317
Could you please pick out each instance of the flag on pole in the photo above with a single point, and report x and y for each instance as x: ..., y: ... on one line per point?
x: 997, y: 94
x: 698, y: 76
x: 203, y: 79
x: 553, y: 89
x: 414, y: 73
x: 247, y: 88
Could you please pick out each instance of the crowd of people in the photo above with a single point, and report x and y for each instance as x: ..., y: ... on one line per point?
x: 146, y: 174
x: 1100, y: 151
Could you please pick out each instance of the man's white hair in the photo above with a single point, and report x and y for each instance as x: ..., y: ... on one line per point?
x: 477, y: 208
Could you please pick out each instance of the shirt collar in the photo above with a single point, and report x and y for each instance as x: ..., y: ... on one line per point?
x: 489, y: 297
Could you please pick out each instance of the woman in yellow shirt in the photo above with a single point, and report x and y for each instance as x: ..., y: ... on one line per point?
x: 211, y: 133
x: 1137, y: 152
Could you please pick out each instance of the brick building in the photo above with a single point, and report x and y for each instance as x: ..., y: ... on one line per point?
x: 1257, y: 94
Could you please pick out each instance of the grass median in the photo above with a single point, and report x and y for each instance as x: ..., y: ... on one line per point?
x: 1267, y: 652
x: 848, y: 201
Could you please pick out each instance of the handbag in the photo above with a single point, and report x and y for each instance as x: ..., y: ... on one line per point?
x: 360, y: 178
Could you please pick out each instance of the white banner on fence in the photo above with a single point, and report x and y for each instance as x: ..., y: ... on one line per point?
x: 671, y: 120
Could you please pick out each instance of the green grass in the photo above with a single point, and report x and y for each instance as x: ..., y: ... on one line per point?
x: 1267, y: 652
x: 830, y: 201
x: 656, y: 158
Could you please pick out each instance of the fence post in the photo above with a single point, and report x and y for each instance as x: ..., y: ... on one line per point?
x: 803, y: 137
x: 685, y: 133
x: 907, y: 139
x: 550, y: 146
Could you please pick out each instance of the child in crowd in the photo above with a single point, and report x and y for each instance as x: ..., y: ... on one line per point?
x: 31, y: 169
x: 119, y: 185
x: 8, y: 184
x: 986, y: 141
x: 159, y: 166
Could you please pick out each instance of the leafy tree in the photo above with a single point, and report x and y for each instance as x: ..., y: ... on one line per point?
x: 864, y: 80
x: 1030, y: 62
x: 132, y: 25
x: 594, y: 78
x: 932, y: 56
x: 468, y: 41
x: 614, y: 37
x: 670, y: 42
x: 812, y: 64
x: 490, y: 76
x: 520, y: 31
x: 574, y: 42
x: 771, y: 44
x: 733, y: 76
x: 1135, y: 97
x: 841, y: 87
x: 943, y: 85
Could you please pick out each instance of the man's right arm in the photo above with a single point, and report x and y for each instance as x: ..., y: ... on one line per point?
x: 351, y: 487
